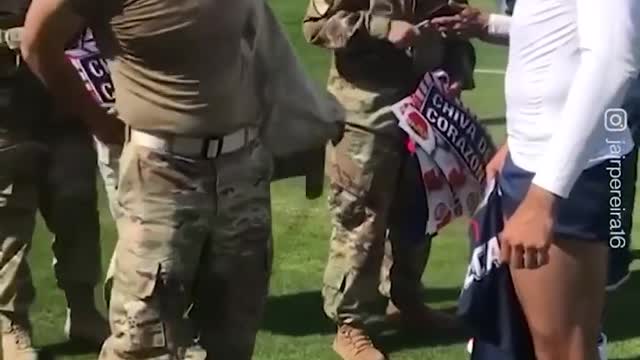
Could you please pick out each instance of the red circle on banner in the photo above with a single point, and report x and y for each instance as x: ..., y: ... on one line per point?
x: 418, y: 124
x: 441, y: 211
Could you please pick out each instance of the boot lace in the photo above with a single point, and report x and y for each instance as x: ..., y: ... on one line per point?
x: 360, y: 340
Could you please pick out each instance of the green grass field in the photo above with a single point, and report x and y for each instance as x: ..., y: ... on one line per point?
x: 295, y: 327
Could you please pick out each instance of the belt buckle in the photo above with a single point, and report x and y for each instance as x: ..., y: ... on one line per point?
x: 10, y: 39
x: 211, y: 148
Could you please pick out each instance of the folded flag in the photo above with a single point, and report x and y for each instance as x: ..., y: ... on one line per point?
x: 488, y: 304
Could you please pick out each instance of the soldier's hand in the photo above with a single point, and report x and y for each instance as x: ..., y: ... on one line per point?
x: 109, y: 130
x: 402, y: 33
x: 470, y: 22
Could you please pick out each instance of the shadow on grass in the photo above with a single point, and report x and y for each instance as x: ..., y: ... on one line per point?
x: 403, y: 339
x: 299, y: 314
x: 621, y: 313
x: 493, y: 121
x: 302, y: 314
x: 68, y: 348
x: 632, y: 357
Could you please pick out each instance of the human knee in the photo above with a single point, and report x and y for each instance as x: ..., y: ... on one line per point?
x: 550, y: 345
x: 564, y: 344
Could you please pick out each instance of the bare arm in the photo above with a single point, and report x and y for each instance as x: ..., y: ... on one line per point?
x: 49, y: 26
x: 609, y: 42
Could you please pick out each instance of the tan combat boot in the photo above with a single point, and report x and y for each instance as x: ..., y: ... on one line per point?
x: 354, y: 344
x: 16, y: 338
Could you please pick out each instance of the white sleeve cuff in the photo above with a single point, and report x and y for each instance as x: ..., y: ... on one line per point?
x: 499, y: 25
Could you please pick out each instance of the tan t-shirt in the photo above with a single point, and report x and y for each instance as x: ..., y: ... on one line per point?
x: 182, y: 67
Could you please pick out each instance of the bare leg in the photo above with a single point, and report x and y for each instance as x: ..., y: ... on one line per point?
x: 563, y: 300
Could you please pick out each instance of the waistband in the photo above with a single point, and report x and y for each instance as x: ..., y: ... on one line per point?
x: 206, y: 148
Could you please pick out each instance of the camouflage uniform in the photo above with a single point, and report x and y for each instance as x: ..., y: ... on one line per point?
x: 368, y: 166
x: 108, y: 164
x: 203, y: 125
x: 36, y: 172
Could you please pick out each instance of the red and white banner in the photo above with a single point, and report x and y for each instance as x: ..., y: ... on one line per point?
x: 452, y: 148
x: 93, y: 69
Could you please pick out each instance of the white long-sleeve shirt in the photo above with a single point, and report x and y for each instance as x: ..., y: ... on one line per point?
x: 569, y: 61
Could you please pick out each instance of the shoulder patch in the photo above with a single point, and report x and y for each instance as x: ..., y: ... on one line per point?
x: 321, y: 6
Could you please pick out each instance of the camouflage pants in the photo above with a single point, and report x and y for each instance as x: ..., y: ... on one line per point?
x: 58, y: 177
x: 367, y: 171
x: 194, y: 238
x: 108, y: 163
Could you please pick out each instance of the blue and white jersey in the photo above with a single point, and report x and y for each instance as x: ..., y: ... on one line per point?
x: 488, y: 304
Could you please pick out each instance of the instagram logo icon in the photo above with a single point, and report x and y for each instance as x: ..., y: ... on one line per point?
x: 615, y: 120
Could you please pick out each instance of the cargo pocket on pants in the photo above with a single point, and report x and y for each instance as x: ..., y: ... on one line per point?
x: 144, y: 326
x: 137, y: 320
x: 346, y: 173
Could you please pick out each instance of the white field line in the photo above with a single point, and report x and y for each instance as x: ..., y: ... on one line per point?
x: 490, y: 71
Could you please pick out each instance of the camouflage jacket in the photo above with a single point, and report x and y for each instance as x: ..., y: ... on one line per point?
x: 356, y: 30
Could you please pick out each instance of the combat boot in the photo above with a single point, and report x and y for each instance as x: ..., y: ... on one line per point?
x: 16, y: 338
x: 84, y: 322
x: 354, y: 344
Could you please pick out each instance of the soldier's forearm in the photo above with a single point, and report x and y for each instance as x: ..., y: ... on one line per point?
x: 49, y: 26
x: 64, y: 83
x: 339, y: 30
